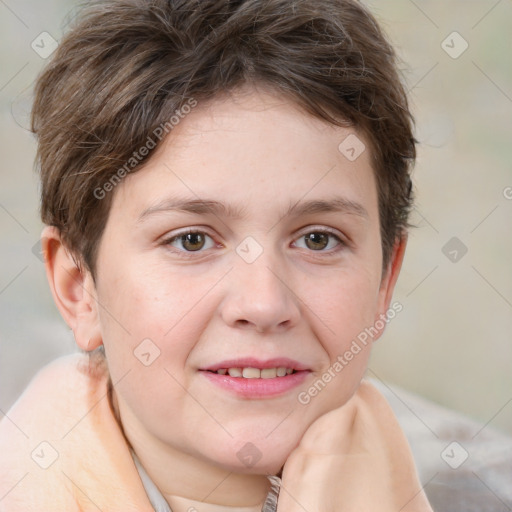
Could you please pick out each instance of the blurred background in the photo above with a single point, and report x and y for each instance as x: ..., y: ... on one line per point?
x: 452, y: 341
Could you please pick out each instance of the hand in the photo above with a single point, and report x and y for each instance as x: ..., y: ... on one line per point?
x: 352, y: 459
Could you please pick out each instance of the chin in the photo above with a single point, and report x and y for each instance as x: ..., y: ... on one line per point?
x: 259, y: 468
x: 257, y: 458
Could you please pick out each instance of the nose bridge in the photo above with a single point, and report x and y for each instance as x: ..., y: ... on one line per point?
x: 259, y: 295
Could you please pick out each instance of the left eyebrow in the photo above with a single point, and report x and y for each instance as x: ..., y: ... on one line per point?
x: 336, y: 204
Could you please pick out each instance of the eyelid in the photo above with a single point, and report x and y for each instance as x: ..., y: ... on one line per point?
x: 321, y: 229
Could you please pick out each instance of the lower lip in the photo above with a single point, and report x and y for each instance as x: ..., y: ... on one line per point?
x: 257, y: 388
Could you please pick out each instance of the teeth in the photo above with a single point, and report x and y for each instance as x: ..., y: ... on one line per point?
x: 235, y: 372
x: 256, y: 373
x: 251, y: 373
x: 269, y: 373
x: 281, y: 371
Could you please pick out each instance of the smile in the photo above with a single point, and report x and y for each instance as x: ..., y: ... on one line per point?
x: 256, y: 373
x: 251, y: 378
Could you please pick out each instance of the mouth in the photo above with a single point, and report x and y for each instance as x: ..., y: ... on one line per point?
x: 255, y: 373
x: 252, y: 378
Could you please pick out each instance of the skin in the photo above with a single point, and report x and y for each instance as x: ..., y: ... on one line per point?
x: 308, y: 302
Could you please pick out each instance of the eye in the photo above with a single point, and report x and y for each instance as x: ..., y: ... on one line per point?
x: 321, y: 239
x: 190, y: 241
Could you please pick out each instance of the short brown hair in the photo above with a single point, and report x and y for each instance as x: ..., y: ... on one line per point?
x: 128, y: 65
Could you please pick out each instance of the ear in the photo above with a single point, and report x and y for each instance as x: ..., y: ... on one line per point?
x: 73, y: 290
x: 388, y: 282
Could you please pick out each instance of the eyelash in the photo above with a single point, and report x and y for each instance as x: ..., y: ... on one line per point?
x: 189, y: 254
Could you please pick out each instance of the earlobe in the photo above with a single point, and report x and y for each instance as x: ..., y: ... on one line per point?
x: 73, y: 290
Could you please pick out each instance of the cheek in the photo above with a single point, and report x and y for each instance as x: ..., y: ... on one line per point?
x: 347, y: 311
x: 347, y: 306
x: 146, y: 309
x: 148, y: 336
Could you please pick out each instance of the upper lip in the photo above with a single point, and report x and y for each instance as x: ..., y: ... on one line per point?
x: 251, y: 362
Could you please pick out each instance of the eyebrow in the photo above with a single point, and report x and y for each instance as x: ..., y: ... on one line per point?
x: 336, y: 204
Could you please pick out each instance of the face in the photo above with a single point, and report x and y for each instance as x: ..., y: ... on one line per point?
x: 285, y: 274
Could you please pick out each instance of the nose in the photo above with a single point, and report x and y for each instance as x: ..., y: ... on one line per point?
x: 260, y: 297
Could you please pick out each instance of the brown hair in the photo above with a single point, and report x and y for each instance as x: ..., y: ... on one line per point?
x: 128, y: 66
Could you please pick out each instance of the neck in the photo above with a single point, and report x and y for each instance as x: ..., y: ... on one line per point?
x: 175, y: 473
x: 177, y: 476
x: 178, y: 504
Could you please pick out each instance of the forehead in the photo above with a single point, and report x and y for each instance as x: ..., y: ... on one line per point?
x: 252, y: 149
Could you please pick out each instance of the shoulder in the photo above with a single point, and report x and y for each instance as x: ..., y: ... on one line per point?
x: 54, y: 387
x: 30, y: 429
x: 60, y: 438
x: 58, y: 391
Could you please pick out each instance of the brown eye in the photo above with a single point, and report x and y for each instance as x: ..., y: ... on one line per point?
x: 321, y: 241
x: 317, y: 241
x: 191, y: 241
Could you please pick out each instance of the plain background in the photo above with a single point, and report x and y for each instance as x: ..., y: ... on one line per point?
x: 452, y: 341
